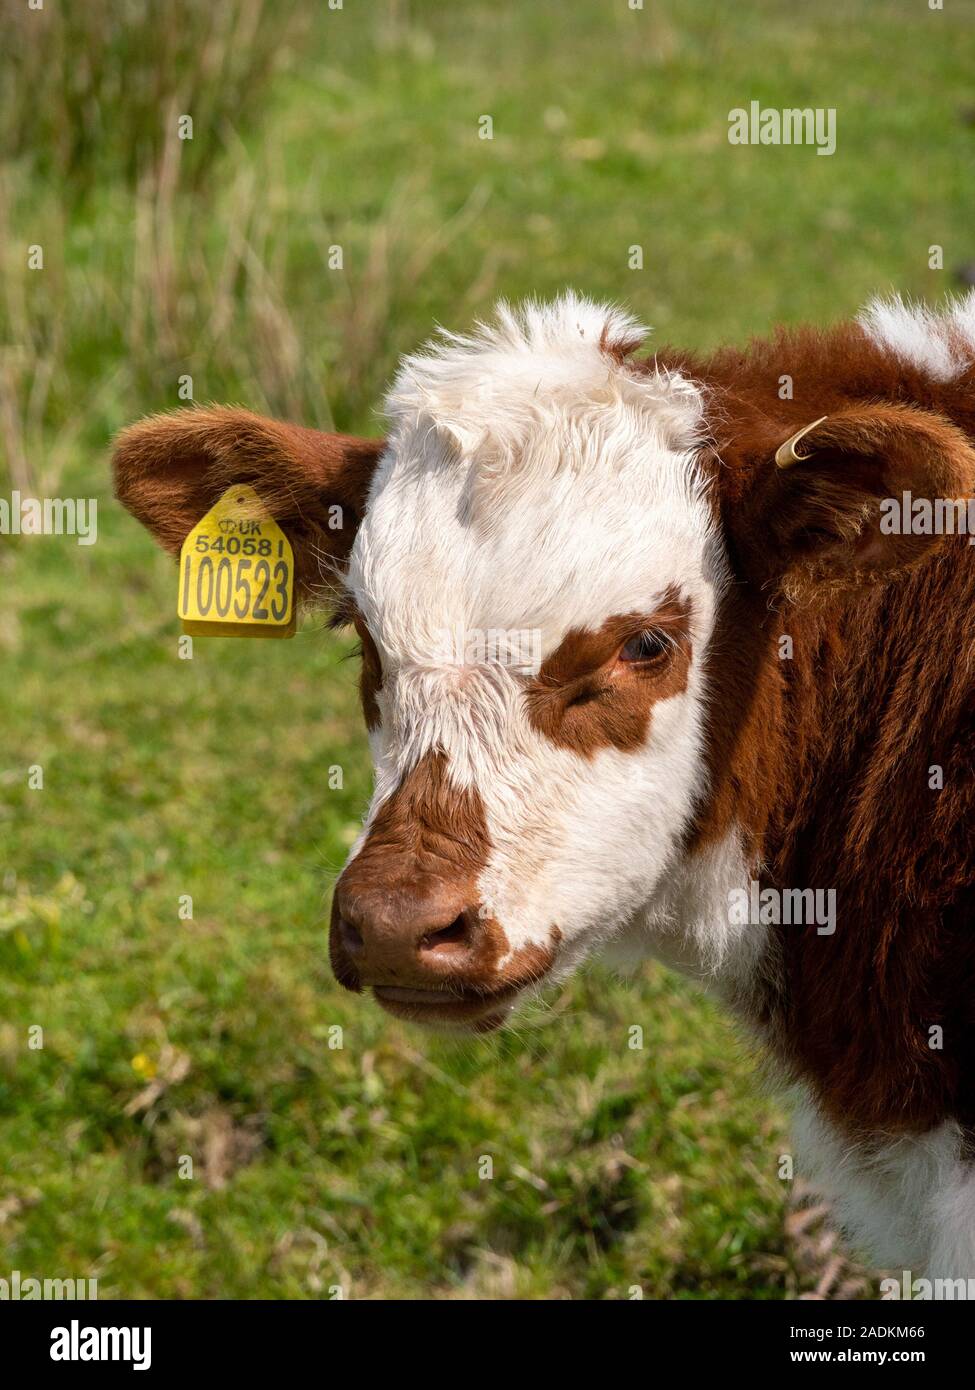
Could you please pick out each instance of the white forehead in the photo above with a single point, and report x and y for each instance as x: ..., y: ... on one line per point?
x: 531, y: 481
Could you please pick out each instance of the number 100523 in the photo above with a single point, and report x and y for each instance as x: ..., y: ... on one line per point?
x: 234, y: 579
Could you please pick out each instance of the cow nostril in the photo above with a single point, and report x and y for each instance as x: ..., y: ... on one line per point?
x: 351, y: 937
x: 454, y: 937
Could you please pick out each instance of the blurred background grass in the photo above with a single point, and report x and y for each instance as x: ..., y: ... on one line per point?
x: 317, y: 1166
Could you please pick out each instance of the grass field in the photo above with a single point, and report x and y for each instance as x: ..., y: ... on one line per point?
x: 317, y: 1166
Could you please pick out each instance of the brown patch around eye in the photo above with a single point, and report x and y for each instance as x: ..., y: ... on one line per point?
x: 370, y: 674
x: 584, y: 699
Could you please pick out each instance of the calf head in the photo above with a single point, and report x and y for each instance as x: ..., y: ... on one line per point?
x: 536, y: 562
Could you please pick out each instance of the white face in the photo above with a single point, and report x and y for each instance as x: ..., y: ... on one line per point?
x: 533, y: 486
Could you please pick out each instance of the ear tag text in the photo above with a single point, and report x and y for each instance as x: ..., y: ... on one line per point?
x: 237, y: 572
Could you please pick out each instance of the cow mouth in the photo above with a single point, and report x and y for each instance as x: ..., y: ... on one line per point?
x: 455, y: 1008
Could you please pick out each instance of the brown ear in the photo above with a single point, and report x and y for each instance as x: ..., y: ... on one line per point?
x: 826, y: 506
x: 171, y: 469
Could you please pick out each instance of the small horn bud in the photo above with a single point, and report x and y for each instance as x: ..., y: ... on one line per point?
x: 785, y: 454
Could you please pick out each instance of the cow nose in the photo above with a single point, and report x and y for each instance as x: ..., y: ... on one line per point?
x: 422, y: 933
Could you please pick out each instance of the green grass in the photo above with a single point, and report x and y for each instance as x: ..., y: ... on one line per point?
x: 359, y: 1166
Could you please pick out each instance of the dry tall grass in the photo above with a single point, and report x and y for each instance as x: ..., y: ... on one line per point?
x: 91, y: 89
x: 155, y: 276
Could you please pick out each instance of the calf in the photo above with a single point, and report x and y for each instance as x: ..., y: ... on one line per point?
x: 651, y: 665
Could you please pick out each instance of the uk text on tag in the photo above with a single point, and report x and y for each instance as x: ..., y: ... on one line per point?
x: 237, y: 572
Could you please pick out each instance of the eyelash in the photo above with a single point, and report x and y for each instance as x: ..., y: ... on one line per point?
x: 647, y: 648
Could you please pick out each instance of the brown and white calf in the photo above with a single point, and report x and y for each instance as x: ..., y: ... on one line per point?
x: 742, y: 694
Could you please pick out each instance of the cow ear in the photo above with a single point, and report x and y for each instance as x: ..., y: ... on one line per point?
x: 171, y: 469
x: 833, y: 504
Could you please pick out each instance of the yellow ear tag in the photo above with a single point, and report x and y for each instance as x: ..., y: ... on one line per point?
x: 237, y: 572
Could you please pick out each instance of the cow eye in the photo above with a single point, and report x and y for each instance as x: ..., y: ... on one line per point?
x: 647, y: 647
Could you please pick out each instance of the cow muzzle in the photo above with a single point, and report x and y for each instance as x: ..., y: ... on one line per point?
x: 406, y: 919
x: 428, y: 953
